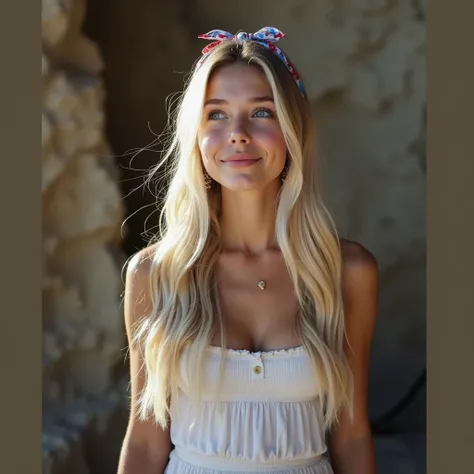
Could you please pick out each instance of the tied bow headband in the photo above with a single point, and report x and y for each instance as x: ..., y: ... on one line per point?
x: 266, y: 37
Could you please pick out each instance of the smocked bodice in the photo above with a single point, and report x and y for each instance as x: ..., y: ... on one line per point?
x: 267, y: 416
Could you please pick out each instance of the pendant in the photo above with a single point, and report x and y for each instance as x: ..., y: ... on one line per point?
x: 261, y: 284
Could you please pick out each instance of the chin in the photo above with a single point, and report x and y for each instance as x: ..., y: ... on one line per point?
x: 235, y: 187
x: 248, y: 185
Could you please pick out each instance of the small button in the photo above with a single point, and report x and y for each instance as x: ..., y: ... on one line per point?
x: 257, y: 369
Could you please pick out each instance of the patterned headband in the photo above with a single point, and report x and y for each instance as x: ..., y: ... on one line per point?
x: 266, y: 37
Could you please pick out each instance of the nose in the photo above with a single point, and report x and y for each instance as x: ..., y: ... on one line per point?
x: 239, y: 135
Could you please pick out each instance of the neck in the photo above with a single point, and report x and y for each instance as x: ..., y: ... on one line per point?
x: 248, y: 220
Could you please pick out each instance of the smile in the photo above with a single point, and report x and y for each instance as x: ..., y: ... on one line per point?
x: 241, y: 160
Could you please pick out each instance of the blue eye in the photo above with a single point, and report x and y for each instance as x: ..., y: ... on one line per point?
x: 263, y: 113
x: 215, y: 115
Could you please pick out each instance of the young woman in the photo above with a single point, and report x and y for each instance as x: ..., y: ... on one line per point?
x: 249, y: 321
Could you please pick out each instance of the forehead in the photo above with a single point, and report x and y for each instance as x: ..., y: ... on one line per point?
x: 238, y: 81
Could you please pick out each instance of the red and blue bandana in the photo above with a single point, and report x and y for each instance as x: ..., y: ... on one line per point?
x: 266, y: 37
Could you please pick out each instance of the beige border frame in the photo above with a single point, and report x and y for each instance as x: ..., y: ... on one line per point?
x: 450, y: 238
x: 20, y: 132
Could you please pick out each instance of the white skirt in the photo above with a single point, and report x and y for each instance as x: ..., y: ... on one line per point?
x: 187, y: 463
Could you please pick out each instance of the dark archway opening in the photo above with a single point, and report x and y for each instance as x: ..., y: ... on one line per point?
x: 141, y: 71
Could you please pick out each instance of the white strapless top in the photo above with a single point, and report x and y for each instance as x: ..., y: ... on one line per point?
x: 269, y: 419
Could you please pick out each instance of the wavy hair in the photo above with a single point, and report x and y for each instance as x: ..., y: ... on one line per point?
x: 185, y: 302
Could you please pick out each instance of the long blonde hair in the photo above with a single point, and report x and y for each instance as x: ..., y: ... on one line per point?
x: 185, y: 303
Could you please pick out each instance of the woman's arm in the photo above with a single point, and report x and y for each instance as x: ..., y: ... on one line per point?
x: 351, y: 446
x: 146, y: 446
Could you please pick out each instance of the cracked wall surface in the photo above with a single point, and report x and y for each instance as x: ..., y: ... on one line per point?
x: 83, y: 333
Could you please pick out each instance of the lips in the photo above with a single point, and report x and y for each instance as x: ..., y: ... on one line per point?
x: 241, y: 159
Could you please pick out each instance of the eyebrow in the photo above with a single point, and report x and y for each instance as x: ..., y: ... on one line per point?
x: 265, y: 98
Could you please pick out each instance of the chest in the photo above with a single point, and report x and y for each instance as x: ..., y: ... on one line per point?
x: 257, y: 317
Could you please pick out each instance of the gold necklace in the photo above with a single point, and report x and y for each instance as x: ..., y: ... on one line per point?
x: 261, y: 284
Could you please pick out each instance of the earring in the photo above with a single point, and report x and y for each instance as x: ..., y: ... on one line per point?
x: 284, y: 174
x: 207, y: 181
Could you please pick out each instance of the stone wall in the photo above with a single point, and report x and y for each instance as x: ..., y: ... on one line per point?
x: 83, y: 333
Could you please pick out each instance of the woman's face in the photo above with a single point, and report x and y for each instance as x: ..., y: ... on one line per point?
x: 240, y: 138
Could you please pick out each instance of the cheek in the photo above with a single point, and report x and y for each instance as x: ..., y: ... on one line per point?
x: 273, y: 141
x: 209, y: 144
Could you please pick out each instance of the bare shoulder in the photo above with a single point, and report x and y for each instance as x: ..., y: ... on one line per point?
x: 139, y: 265
x: 360, y: 276
x: 357, y: 260
x: 137, y: 300
x: 360, y: 294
